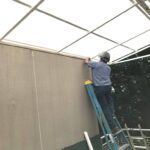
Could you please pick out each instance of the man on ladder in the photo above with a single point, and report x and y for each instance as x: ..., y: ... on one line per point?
x: 101, y: 72
x: 100, y: 95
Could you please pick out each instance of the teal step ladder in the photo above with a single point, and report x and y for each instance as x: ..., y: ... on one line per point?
x: 117, y: 141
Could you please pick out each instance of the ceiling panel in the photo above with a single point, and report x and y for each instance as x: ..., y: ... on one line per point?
x: 119, y: 52
x: 126, y: 26
x: 140, y: 41
x: 89, y: 46
x: 48, y: 33
x: 9, y: 18
x: 85, y: 13
x: 45, y: 31
x: 30, y: 2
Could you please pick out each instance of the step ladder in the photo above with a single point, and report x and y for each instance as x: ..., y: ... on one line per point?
x: 138, y: 140
x: 117, y: 141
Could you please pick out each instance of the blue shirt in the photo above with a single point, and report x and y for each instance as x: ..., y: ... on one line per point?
x: 100, y: 73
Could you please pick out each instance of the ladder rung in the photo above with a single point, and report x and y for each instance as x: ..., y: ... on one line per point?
x: 140, y: 147
x: 137, y: 138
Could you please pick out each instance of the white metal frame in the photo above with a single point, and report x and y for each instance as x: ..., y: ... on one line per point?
x: 136, y: 3
x: 72, y: 24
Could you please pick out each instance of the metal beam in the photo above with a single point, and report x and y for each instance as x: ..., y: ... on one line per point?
x: 23, y: 18
x: 130, y: 59
x: 70, y: 23
x: 140, y: 50
x: 143, y: 7
x: 98, y: 27
x: 126, y: 42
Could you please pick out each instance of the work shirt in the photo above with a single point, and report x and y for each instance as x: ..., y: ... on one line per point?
x: 100, y: 73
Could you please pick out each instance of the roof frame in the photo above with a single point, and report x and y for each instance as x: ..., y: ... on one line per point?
x: 122, y: 61
x: 70, y: 23
x: 98, y: 27
x: 126, y: 42
x: 135, y: 3
x: 130, y: 54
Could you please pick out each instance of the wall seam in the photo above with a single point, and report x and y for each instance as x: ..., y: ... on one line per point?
x: 37, y: 101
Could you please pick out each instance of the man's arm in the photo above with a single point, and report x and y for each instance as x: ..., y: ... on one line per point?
x: 90, y: 63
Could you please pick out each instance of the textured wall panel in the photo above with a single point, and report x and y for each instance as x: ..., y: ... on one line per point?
x: 18, y: 123
x: 63, y: 105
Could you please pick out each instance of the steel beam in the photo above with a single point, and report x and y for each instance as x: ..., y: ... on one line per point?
x: 119, y: 61
x: 143, y: 7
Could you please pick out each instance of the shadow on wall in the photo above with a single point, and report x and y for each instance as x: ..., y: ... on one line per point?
x: 131, y: 81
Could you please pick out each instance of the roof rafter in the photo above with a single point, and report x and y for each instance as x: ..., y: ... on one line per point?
x: 70, y: 23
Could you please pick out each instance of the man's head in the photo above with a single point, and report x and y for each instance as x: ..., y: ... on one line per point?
x: 104, y: 56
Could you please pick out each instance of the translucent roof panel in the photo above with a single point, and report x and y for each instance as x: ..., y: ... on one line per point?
x: 140, y: 41
x: 45, y: 31
x: 125, y: 26
x: 30, y: 2
x: 85, y: 13
x: 118, y: 52
x: 89, y: 46
x: 66, y: 26
x: 10, y: 13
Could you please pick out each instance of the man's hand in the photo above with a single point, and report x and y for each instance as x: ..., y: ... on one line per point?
x: 87, y: 60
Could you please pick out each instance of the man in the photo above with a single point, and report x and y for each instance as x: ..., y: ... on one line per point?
x: 102, y: 86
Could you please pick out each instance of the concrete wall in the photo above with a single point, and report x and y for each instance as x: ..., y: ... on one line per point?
x: 43, y: 102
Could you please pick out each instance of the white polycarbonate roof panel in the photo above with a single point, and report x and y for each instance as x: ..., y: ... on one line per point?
x: 85, y: 13
x: 89, y: 46
x: 118, y: 52
x: 125, y: 26
x: 66, y: 26
x: 140, y: 41
x: 31, y: 2
x: 44, y: 31
x: 10, y: 13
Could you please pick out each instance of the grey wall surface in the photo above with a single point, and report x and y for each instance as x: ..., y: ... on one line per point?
x: 43, y: 102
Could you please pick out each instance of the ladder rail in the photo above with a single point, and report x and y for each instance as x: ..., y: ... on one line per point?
x: 143, y: 136
x: 101, y: 118
x: 99, y: 114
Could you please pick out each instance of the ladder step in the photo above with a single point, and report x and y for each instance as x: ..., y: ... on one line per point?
x: 140, y: 147
x: 123, y: 147
x: 137, y: 138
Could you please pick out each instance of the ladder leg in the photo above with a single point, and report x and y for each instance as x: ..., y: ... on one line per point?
x: 130, y: 139
x: 143, y: 136
x: 112, y: 145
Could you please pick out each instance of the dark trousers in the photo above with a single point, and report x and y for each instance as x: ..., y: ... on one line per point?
x: 103, y: 94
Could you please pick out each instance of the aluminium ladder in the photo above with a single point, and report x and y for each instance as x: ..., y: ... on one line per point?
x: 117, y: 141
